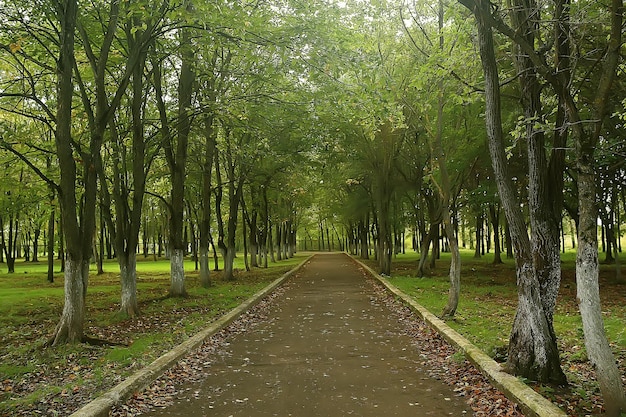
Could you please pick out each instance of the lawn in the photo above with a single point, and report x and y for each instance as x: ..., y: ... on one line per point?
x: 487, y: 308
x: 34, y: 379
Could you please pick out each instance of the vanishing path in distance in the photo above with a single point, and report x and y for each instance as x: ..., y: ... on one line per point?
x: 328, y: 348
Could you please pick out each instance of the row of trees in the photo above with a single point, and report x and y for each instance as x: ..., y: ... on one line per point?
x: 543, y: 79
x: 197, y: 105
x: 248, y: 117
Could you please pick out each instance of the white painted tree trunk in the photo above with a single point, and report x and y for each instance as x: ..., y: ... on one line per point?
x: 70, y: 326
x: 177, y: 271
x: 128, y: 279
x: 588, y: 294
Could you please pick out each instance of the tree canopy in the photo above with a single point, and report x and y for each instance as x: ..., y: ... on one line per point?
x: 274, y: 126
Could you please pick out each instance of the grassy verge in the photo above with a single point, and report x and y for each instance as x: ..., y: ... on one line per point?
x: 35, y: 379
x: 487, y: 309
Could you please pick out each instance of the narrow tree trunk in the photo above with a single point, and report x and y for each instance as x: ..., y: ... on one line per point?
x: 427, y: 239
x: 36, y: 234
x: 363, y: 247
x: 455, y: 269
x: 245, y: 240
x: 479, y: 235
x: 495, y: 221
x: 51, y: 246
x: 279, y: 240
x: 588, y: 293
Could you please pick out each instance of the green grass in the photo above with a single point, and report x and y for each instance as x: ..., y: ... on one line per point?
x: 487, y: 308
x: 489, y: 299
x: 30, y: 308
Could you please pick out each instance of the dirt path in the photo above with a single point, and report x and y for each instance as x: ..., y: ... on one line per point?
x: 328, y: 349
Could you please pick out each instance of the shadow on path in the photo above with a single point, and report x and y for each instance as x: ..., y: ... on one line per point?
x: 328, y: 348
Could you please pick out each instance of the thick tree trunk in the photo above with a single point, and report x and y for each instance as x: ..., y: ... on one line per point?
x: 229, y: 260
x: 177, y: 272
x: 70, y: 326
x: 205, y: 274
x: 76, y: 268
x: 533, y: 352
x: 279, y: 241
x: 128, y: 279
x: 177, y: 160
x: 544, y: 194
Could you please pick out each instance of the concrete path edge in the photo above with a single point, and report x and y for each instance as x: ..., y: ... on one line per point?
x: 102, y: 405
x: 532, y: 403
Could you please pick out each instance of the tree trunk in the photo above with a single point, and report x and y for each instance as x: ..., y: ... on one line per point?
x: 128, y: 279
x: 363, y: 246
x: 455, y: 268
x: 36, y: 234
x: 235, y: 191
x: 244, y: 236
x: 70, y: 326
x: 533, y: 352
x: 253, y: 237
x: 51, y: 246
x: 507, y: 240
x: 587, y: 289
x: 424, y: 249
x: 479, y: 235
x: 445, y: 190
x: 279, y: 240
x: 176, y: 154
x: 177, y: 271
x: 587, y: 267
x: 495, y: 221
x: 76, y: 268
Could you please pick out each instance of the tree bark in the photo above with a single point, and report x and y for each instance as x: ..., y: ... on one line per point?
x: 176, y: 154
x: 494, y: 213
x: 532, y: 348
x: 587, y: 267
x: 51, y: 244
x: 445, y: 190
x: 128, y: 279
x: 70, y: 326
x: 205, y: 222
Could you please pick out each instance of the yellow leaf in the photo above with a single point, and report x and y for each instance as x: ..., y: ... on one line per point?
x: 15, y: 47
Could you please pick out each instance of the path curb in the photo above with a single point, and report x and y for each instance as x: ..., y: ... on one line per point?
x: 101, y: 406
x: 532, y: 403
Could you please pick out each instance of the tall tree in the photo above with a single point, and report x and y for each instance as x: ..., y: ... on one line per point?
x: 175, y: 144
x: 533, y: 352
x: 78, y: 227
x: 586, y: 137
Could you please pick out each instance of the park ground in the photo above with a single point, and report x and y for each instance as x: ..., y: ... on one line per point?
x: 35, y: 380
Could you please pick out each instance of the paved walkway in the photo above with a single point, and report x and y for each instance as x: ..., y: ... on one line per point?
x: 328, y: 349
